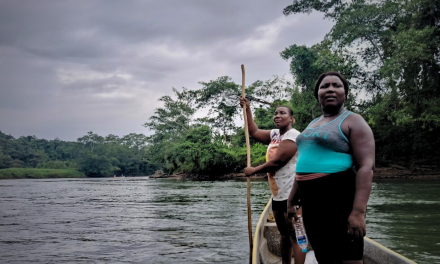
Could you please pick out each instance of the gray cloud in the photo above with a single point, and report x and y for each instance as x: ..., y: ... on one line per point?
x: 68, y: 67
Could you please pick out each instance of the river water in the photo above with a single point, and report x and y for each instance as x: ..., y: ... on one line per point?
x: 142, y: 220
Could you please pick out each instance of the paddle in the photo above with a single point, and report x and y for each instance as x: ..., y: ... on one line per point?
x: 243, y: 94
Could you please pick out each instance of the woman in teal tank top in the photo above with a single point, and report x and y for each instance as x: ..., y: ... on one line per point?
x: 334, y: 175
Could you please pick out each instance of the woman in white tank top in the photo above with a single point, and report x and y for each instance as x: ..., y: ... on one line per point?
x: 280, y: 166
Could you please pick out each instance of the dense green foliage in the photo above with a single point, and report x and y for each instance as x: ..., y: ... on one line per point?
x: 393, y: 47
x: 213, y: 143
x: 19, y: 173
x: 389, y: 50
x: 91, y: 155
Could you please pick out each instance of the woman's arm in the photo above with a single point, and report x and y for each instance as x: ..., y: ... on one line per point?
x: 362, y: 143
x: 286, y: 150
x: 260, y: 135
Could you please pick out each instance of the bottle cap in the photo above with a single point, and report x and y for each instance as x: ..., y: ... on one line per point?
x: 304, y: 250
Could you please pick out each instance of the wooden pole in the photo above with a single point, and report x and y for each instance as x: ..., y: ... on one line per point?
x: 243, y: 94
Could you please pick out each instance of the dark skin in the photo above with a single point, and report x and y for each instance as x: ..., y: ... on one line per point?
x: 331, y: 96
x: 286, y: 150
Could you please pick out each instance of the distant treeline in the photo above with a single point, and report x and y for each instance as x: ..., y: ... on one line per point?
x: 388, y: 50
x: 19, y: 173
x: 92, y: 155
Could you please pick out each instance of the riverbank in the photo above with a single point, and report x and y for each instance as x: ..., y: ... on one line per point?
x: 399, y: 172
x: 391, y: 172
x: 29, y: 173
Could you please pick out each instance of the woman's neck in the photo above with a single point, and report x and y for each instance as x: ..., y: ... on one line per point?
x: 285, y: 129
x: 333, y: 111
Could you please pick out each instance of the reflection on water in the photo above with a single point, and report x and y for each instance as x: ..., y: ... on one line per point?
x: 404, y: 216
x: 130, y: 220
x: 141, y: 220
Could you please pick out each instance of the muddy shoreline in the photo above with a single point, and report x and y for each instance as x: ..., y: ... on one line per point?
x: 392, y: 172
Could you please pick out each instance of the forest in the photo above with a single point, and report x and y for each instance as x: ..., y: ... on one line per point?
x: 388, y: 50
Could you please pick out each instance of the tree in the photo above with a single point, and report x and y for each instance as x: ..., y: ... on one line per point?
x: 306, y: 64
x: 397, y: 46
x: 219, y: 97
x: 198, y: 153
x: 174, y: 119
x: 94, y: 165
x: 5, y: 160
x: 91, y: 140
x: 398, y: 42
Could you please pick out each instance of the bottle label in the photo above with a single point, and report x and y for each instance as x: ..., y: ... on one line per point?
x: 302, y: 240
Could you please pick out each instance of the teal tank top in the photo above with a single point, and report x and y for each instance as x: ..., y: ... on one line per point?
x: 324, y: 149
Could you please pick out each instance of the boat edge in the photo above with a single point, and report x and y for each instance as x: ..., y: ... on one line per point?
x: 257, y: 233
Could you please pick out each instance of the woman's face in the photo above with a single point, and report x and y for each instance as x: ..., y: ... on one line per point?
x: 331, y: 91
x: 282, y: 117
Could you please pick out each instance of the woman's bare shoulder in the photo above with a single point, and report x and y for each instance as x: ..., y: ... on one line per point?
x: 356, y: 122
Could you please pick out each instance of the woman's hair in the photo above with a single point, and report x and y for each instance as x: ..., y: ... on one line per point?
x: 331, y: 73
x: 290, y: 112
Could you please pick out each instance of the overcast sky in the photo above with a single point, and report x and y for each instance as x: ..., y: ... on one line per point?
x: 69, y: 67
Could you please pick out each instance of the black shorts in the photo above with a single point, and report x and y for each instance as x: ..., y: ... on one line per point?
x: 327, y: 203
x: 280, y: 206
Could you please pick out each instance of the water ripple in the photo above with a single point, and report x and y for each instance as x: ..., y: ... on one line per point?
x: 141, y: 220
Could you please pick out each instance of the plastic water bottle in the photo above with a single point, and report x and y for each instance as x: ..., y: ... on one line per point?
x: 300, y: 233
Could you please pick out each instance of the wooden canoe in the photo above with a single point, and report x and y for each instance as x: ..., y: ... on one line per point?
x: 266, y: 246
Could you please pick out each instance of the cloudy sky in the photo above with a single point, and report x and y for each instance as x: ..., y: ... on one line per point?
x: 69, y: 67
